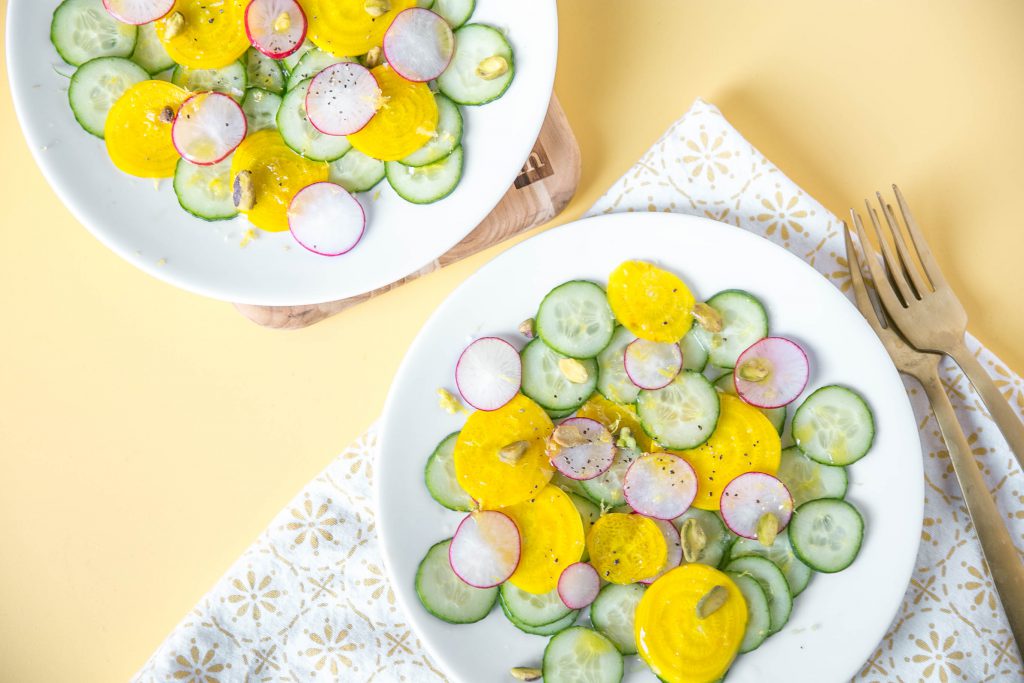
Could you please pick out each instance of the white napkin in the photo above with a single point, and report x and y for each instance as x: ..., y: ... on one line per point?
x: 309, y: 600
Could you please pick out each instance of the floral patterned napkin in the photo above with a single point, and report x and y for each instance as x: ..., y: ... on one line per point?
x: 310, y: 600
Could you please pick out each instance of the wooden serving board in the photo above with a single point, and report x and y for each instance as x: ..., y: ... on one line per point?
x: 541, y: 191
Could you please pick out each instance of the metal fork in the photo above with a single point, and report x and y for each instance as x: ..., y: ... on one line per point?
x: 1006, y: 567
x: 926, y: 310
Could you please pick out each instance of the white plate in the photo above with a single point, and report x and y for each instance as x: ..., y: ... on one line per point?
x: 840, y: 618
x: 148, y: 228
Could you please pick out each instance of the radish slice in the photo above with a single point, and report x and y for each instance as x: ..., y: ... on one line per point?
x: 138, y: 12
x: 581, y: 448
x: 275, y: 27
x: 748, y: 497
x: 208, y: 128
x: 485, y: 549
x: 675, y: 549
x: 771, y: 373
x: 489, y: 373
x: 342, y: 99
x: 660, y: 485
x: 325, y: 219
x: 578, y: 585
x: 652, y: 365
x: 419, y: 44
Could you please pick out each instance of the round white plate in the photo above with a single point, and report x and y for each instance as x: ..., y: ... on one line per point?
x: 840, y: 618
x: 145, y: 225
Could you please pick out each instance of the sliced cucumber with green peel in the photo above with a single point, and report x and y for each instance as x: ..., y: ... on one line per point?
x: 532, y: 609
x: 475, y: 43
x: 683, y: 414
x: 149, y: 52
x: 263, y: 72
x: 613, y: 613
x: 425, y: 4
x: 261, y: 107
x: 717, y: 537
x: 310, y: 64
x: 772, y: 581
x: 445, y: 595
x: 744, y: 321
x: 455, y: 12
x: 97, y: 85
x: 589, y: 513
x: 292, y: 60
x: 581, y: 655
x: 426, y: 184
x: 439, y: 475
x: 695, y: 356
x: 834, y: 426
x: 544, y: 382
x: 777, y: 416
x: 606, y: 488
x: 568, y: 485
x: 827, y: 534
x: 807, y: 479
x: 780, y: 553
x: 230, y: 80
x: 613, y: 382
x: 575, y: 319
x: 356, y: 172
x: 544, y: 629
x: 205, y: 191
x: 447, y: 136
x: 299, y: 134
x: 758, y: 615
x: 559, y: 414
x: 82, y: 30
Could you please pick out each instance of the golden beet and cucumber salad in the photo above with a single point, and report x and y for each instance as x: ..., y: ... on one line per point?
x: 623, y: 486
x: 283, y: 110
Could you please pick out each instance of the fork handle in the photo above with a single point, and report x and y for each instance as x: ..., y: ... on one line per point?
x: 1007, y: 421
x: 1005, y: 565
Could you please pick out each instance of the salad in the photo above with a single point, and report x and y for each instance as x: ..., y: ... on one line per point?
x: 283, y: 110
x: 624, y: 485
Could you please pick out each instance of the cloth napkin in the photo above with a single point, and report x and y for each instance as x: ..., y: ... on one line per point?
x: 310, y: 599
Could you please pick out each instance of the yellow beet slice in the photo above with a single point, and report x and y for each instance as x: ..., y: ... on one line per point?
x: 138, y: 129
x: 625, y: 548
x: 406, y: 120
x: 552, y: 535
x: 650, y: 302
x: 278, y: 174
x: 211, y: 34
x: 676, y: 643
x: 743, y: 441
x: 495, y: 483
x: 615, y: 416
x: 344, y: 27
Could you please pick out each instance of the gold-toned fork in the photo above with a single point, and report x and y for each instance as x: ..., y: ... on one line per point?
x: 925, y: 309
x: 996, y: 544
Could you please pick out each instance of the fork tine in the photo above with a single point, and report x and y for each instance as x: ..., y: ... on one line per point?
x: 888, y: 295
x: 910, y: 268
x: 924, y: 254
x: 891, y: 264
x: 860, y: 290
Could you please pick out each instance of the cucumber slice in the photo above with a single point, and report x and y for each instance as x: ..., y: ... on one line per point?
x: 261, y: 107
x: 744, y: 321
x: 559, y: 414
x: 357, y: 172
x: 425, y: 4
x: 545, y: 629
x: 149, y: 52
x: 777, y: 416
x: 455, y: 12
x: 544, y: 382
x: 473, y: 44
x: 834, y: 426
x: 97, y: 85
x: 717, y: 536
x: 263, y: 72
x: 568, y: 485
x: 758, y: 615
x: 613, y: 382
x: 426, y: 184
x: 810, y: 480
x: 581, y: 655
x: 230, y: 80
x: 695, y: 356
x: 827, y: 534
x: 445, y: 595
x: 613, y: 614
x: 439, y: 475
x: 589, y: 513
x: 683, y: 414
x: 448, y: 135
x: 292, y: 60
x: 772, y: 581
x: 575, y: 319
x: 82, y: 30
x: 532, y: 609
x: 606, y: 488
x: 310, y: 64
x: 205, y: 191
x: 299, y: 134
x: 797, y: 574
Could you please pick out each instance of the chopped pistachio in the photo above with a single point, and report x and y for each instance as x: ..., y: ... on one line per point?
x: 526, y: 328
x: 174, y: 25
x: 526, y: 673
x: 166, y: 115
x: 693, y: 539
x: 243, y: 194
x: 373, y: 57
x: 707, y: 317
x: 626, y: 438
x: 568, y: 436
x: 573, y: 370
x: 376, y: 8
x: 492, y: 67
x: 283, y: 22
x: 755, y: 370
x: 712, y: 601
x: 513, y: 452
x: 767, y: 529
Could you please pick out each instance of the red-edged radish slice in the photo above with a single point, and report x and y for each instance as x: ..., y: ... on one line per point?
x: 752, y: 495
x: 771, y: 373
x: 419, y: 44
x: 485, y: 549
x: 652, y: 365
x: 275, y: 27
x: 578, y: 585
x: 581, y: 448
x: 209, y: 126
x: 326, y: 219
x: 489, y: 373
x: 138, y: 12
x: 342, y: 99
x: 675, y: 549
x: 660, y: 485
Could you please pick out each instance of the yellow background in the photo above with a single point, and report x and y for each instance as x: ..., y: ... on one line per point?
x: 147, y: 435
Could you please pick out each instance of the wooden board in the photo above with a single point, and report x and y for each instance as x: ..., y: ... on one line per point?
x: 541, y: 191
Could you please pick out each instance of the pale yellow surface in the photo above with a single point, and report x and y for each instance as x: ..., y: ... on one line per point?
x: 147, y: 435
